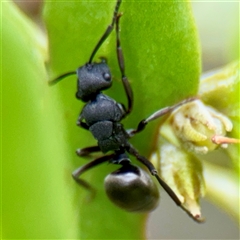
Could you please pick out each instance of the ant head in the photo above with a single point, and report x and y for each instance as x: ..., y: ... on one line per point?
x: 93, y: 78
x: 132, y: 189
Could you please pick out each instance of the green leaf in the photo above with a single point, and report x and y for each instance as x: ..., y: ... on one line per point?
x: 40, y: 199
x: 36, y: 190
x: 161, y: 52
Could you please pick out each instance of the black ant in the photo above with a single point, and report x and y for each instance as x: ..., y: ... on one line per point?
x: 128, y: 187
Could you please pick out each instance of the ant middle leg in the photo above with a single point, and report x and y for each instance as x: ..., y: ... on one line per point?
x: 142, y: 124
x: 82, y: 152
x: 126, y: 84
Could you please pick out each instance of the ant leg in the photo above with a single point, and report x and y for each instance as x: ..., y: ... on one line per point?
x: 82, y: 152
x: 79, y: 171
x: 82, y: 124
x: 153, y: 171
x: 100, y: 42
x: 142, y: 124
x: 107, y: 31
x: 164, y: 185
x: 126, y: 84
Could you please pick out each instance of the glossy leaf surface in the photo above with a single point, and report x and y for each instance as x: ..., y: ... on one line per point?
x: 161, y: 51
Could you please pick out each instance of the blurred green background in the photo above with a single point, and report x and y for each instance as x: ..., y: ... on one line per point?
x: 217, y: 23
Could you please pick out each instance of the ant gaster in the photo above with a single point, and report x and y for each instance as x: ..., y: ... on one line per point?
x: 129, y: 187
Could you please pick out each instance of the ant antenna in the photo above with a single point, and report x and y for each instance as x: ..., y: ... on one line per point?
x: 107, y: 32
x: 56, y: 80
x: 102, y: 39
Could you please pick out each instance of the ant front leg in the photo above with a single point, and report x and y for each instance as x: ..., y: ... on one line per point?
x: 142, y: 124
x: 126, y: 84
x: 82, y: 124
x: 82, y: 152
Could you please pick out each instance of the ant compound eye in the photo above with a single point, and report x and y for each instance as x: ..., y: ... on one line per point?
x: 132, y: 189
x: 107, y: 76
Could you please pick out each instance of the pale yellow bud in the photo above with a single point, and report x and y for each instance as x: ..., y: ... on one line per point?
x: 183, y: 173
x: 196, y: 125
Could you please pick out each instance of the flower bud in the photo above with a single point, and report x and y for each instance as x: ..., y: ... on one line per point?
x: 197, y: 125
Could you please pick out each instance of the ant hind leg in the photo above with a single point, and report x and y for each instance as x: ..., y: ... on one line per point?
x: 164, y: 185
x: 79, y: 171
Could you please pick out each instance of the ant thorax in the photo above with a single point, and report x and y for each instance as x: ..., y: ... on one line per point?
x: 103, y: 115
x: 102, y: 108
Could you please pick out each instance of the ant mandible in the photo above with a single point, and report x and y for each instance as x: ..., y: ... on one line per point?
x: 129, y: 187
